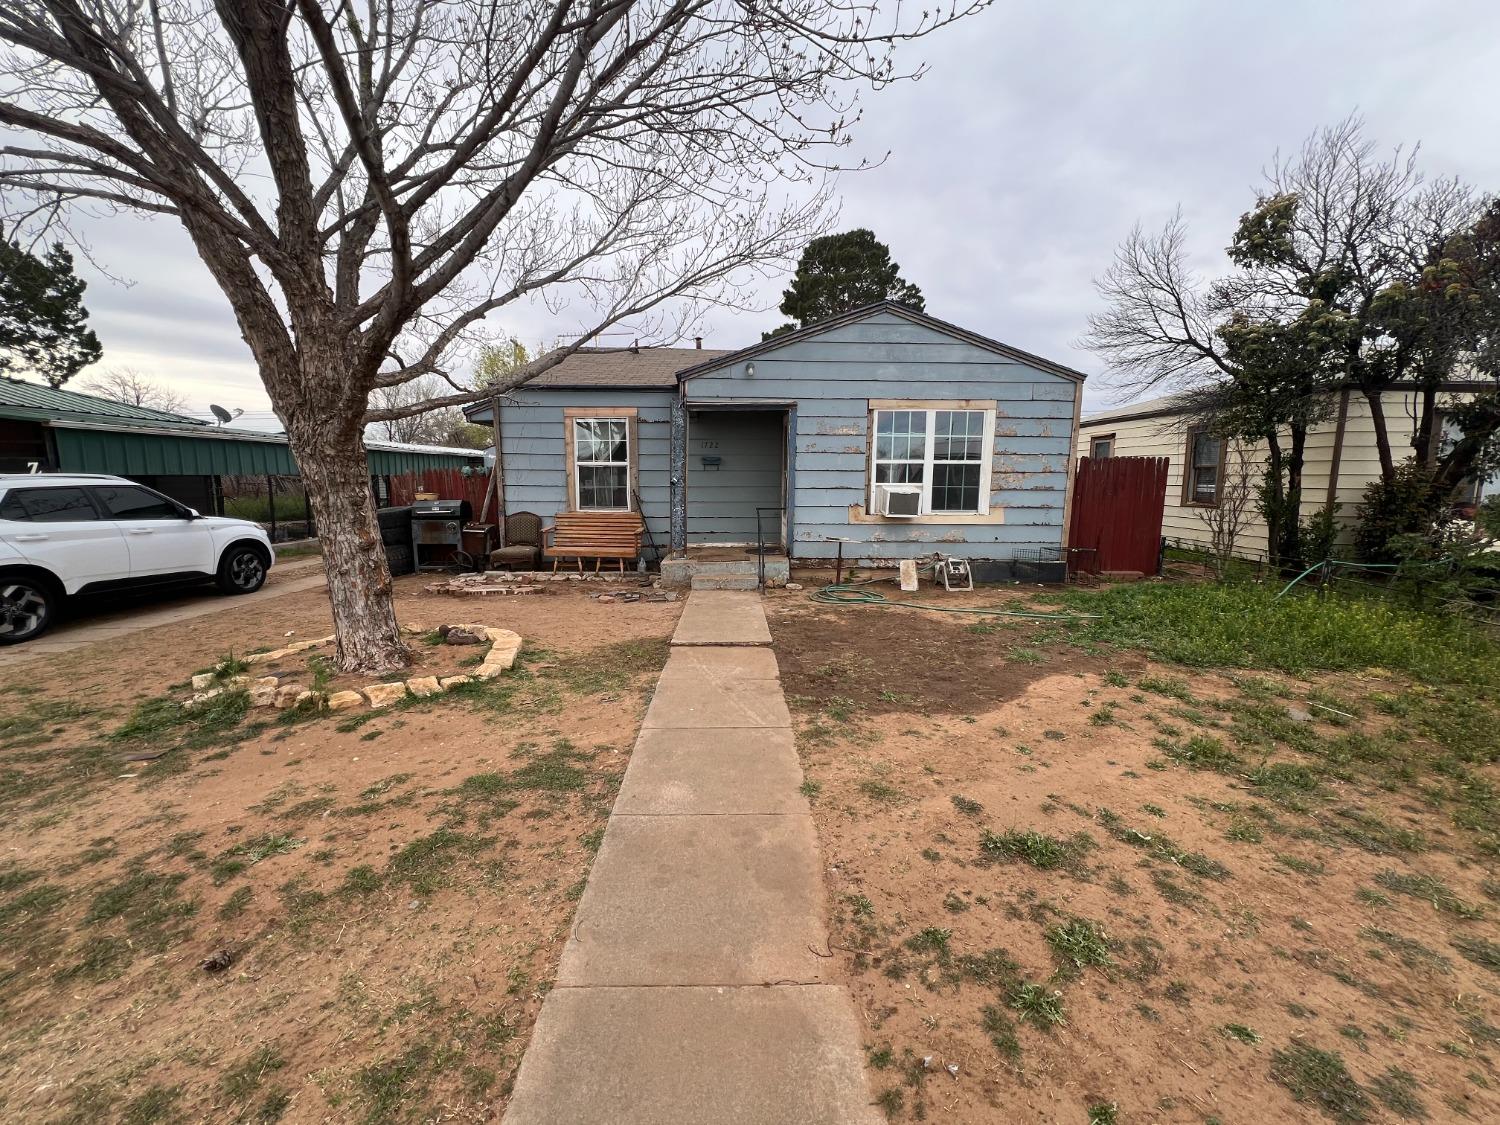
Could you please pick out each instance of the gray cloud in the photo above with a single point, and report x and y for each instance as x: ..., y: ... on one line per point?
x: 1039, y: 136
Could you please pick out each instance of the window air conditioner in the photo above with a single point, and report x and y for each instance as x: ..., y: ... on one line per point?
x: 899, y: 501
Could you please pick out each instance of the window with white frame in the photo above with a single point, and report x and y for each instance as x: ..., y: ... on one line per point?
x: 945, y: 453
x: 601, y: 464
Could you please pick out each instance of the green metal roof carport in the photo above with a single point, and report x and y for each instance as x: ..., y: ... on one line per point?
x: 213, y: 451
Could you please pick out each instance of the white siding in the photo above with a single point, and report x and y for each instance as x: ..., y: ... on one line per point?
x: 1359, y: 464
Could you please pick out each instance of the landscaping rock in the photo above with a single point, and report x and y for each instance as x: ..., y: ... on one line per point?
x: 504, y: 647
x: 343, y: 700
x: 451, y: 682
x: 466, y: 635
x: 413, y: 629
x: 383, y: 695
x: 263, y: 691
x: 423, y: 685
x: 794, y: 586
x: 286, y: 696
x: 203, y: 681
x: 204, y: 697
x: 317, y: 698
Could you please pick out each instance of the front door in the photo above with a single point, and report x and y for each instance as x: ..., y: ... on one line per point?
x: 736, y: 464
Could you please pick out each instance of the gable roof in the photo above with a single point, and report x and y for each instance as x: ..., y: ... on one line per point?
x: 621, y: 367
x: 20, y: 399
x: 724, y: 359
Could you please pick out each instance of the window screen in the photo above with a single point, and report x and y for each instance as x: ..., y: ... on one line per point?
x: 601, y: 459
x: 1204, y: 478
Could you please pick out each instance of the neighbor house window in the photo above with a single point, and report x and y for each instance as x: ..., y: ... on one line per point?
x: 944, y: 452
x: 1205, y: 457
x: 601, y: 464
x: 1102, y: 447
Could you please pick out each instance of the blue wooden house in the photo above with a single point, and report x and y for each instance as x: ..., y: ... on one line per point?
x: 883, y: 433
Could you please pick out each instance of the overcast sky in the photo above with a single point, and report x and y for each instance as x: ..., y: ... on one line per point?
x: 1041, y: 134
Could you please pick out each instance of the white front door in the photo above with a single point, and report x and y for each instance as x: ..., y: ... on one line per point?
x: 157, y: 535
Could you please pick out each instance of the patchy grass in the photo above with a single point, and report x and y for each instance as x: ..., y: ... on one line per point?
x: 1320, y: 1078
x: 1046, y: 853
x: 1079, y: 943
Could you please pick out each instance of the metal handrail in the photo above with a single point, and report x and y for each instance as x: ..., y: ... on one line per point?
x: 760, y: 547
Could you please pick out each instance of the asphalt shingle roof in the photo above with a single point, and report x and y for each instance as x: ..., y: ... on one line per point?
x: 623, y: 367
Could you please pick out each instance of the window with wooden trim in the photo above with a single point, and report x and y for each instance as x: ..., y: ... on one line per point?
x: 601, y: 464
x: 944, y: 453
x: 1205, y: 463
x: 1102, y: 446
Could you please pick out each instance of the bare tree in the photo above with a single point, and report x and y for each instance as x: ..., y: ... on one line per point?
x: 1226, y: 519
x: 1237, y: 364
x: 393, y: 400
x: 368, y: 180
x: 1340, y: 224
x: 125, y: 384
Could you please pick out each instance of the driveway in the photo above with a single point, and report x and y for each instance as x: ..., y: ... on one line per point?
x: 104, y: 617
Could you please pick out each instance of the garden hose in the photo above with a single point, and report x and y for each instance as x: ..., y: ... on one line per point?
x: 846, y: 593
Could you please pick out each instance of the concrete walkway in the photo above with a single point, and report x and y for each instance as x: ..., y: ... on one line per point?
x: 90, y: 629
x: 689, y: 993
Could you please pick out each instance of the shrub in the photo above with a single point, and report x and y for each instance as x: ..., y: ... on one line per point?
x: 1401, y: 506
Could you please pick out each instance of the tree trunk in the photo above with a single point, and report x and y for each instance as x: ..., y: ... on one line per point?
x: 1291, y: 528
x: 1382, y: 435
x: 337, y: 476
x: 1272, y: 505
x: 1424, y: 441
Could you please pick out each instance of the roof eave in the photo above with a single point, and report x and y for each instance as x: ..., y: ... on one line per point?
x: 854, y: 315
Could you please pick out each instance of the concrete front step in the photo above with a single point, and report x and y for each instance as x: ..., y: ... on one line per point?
x: 725, y: 582
x: 682, y: 572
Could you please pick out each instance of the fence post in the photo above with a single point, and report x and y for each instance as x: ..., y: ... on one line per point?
x: 271, y: 503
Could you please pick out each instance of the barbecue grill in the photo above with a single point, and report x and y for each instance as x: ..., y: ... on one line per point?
x: 437, y: 528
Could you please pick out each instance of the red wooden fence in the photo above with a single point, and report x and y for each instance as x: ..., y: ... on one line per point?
x: 1117, y: 510
x: 449, y: 484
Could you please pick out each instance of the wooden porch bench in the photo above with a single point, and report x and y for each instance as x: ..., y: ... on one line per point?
x: 593, y: 535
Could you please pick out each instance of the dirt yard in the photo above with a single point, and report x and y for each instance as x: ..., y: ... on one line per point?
x: 1108, y: 889
x: 381, y: 896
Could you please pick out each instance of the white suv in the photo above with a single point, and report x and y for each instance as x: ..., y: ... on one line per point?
x: 63, y: 535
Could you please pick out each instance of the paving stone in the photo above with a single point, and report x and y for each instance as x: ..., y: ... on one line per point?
x: 694, y: 1056
x: 723, y: 664
x: 722, y: 617
x: 700, y: 900
x: 677, y: 772
x: 688, y: 696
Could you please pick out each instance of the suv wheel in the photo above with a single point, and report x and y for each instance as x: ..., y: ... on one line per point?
x: 26, y: 609
x: 242, y: 570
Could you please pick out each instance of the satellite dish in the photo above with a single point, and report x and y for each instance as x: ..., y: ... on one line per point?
x: 223, y: 415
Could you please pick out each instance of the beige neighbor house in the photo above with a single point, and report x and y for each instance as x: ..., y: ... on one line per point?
x: 1341, y: 460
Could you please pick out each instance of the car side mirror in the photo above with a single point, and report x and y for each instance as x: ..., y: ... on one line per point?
x: 191, y: 514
